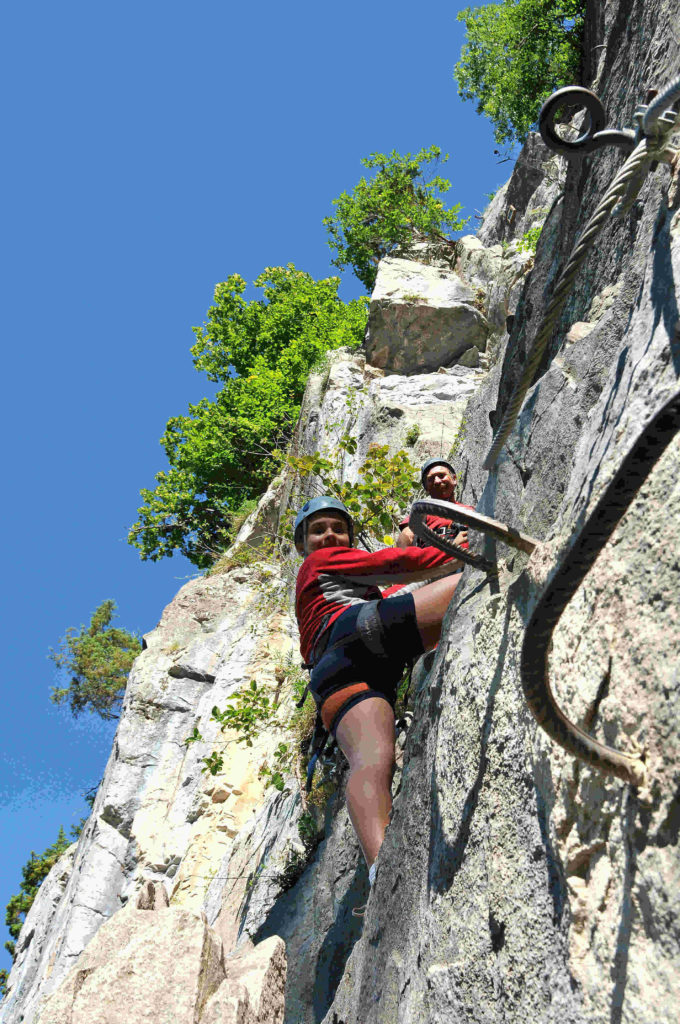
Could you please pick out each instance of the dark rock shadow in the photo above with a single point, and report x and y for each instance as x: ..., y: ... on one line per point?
x: 336, y: 946
x: 663, y: 292
x: 620, y: 969
x: 446, y: 857
x: 556, y: 880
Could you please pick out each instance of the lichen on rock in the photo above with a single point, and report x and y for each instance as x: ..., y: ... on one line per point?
x: 515, y: 883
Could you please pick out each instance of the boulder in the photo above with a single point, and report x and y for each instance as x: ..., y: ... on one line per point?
x: 261, y: 972
x: 420, y: 318
x: 141, y: 966
x: 164, y: 965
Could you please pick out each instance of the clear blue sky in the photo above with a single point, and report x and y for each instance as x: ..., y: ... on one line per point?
x: 151, y: 149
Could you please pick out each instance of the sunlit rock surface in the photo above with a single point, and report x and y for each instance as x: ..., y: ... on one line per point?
x: 515, y: 884
x: 421, y: 317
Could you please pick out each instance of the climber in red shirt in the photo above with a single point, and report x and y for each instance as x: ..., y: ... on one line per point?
x: 439, y: 480
x: 358, y: 644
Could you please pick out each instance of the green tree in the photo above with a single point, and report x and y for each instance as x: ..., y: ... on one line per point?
x: 220, y: 453
x: 516, y: 54
x: 383, y: 215
x: 98, y: 660
x: 384, y: 487
x: 32, y: 875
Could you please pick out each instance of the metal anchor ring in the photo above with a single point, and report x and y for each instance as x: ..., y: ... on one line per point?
x: 595, y: 135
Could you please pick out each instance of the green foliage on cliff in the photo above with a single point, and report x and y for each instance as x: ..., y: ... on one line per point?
x: 384, y: 487
x: 32, y: 875
x: 516, y: 54
x: 98, y: 659
x: 383, y: 215
x: 529, y: 240
x: 244, y: 714
x: 261, y: 352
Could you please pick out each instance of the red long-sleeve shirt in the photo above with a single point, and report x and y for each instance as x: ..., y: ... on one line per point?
x: 439, y: 525
x: 333, y: 578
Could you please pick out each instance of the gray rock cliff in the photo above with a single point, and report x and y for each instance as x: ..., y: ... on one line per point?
x: 515, y: 883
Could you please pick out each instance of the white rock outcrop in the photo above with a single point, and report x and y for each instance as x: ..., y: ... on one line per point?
x: 422, y: 317
x: 157, y: 966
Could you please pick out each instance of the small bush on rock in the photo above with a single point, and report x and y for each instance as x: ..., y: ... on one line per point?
x: 385, y: 214
x: 516, y: 54
x: 385, y: 486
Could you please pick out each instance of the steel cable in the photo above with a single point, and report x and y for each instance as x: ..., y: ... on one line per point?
x: 666, y: 98
x: 618, y: 198
x: 578, y: 561
x: 644, y: 152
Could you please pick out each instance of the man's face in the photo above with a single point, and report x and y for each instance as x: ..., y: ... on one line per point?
x: 326, y: 529
x: 440, y: 483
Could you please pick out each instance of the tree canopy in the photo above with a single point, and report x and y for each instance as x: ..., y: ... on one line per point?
x: 32, y: 875
x: 98, y: 658
x: 220, y: 453
x: 384, y: 214
x: 516, y: 54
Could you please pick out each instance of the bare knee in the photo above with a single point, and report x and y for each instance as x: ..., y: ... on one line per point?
x: 378, y: 763
x: 366, y: 737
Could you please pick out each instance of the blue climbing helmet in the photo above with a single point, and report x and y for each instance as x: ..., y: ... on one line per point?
x: 319, y: 505
x: 427, y: 466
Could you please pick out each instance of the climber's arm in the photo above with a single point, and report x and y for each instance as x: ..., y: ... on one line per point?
x: 386, y: 567
x: 406, y: 538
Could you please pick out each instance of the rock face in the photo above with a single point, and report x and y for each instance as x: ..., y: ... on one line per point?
x: 527, y: 198
x: 422, y: 317
x: 535, y: 888
x: 157, y: 816
x: 168, y: 965
x: 515, y: 884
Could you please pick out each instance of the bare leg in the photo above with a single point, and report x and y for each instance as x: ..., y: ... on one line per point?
x: 366, y: 737
x: 431, y: 603
x: 366, y: 733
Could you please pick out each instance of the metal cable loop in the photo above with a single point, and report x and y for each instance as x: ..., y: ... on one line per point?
x: 419, y: 509
x: 618, y: 198
x: 474, y: 520
x: 660, y: 104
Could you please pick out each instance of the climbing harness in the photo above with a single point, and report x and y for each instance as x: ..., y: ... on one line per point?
x: 474, y: 520
x: 370, y: 630
x: 580, y: 558
x: 368, y: 643
x: 318, y: 744
x: 649, y: 146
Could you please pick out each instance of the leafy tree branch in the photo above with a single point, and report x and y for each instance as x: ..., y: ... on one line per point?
x: 385, y: 214
x: 98, y: 658
x: 219, y: 453
x: 516, y: 53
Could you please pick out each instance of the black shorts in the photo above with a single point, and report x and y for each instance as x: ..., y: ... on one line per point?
x: 347, y: 673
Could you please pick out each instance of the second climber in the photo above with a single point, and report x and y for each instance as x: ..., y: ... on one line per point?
x: 358, y: 643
